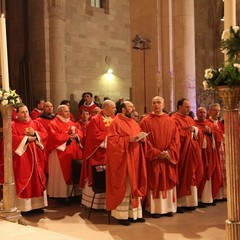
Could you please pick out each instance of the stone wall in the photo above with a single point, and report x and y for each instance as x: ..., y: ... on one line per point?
x: 95, y: 41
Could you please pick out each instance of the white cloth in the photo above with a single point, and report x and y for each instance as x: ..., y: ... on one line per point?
x: 162, y: 205
x: 207, y: 192
x: 189, y: 200
x: 87, y: 196
x: 28, y: 204
x: 125, y: 210
x: 56, y: 184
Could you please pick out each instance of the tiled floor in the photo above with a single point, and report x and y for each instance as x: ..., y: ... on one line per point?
x: 70, y: 222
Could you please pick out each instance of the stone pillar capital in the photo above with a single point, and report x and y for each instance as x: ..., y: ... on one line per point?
x: 56, y: 8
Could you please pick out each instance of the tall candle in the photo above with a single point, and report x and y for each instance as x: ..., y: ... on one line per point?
x: 4, y: 55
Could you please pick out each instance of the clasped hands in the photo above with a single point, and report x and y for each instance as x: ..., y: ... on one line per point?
x: 207, y: 129
x: 30, y: 133
x: 163, y: 155
x: 72, y: 134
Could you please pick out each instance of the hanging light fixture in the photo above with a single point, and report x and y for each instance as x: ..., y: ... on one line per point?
x: 140, y: 43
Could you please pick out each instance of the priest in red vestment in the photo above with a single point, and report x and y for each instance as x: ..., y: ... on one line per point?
x: 190, y: 166
x: 95, y: 152
x: 162, y: 158
x: 28, y: 142
x: 47, y: 115
x: 37, y: 111
x: 83, y: 122
x: 212, y: 176
x: 88, y: 104
x: 126, y: 174
x: 64, y: 145
x: 213, y: 119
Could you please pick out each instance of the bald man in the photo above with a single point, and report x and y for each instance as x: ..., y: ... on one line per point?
x: 47, y: 115
x: 162, y: 158
x: 126, y: 178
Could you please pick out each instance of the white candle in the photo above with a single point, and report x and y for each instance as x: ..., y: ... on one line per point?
x: 4, y: 55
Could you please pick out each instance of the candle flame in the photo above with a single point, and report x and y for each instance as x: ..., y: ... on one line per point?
x: 2, y: 15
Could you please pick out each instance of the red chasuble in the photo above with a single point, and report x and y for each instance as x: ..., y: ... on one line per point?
x: 210, y: 157
x: 29, y: 159
x: 35, y: 114
x: 58, y: 136
x: 163, y: 136
x: 125, y: 160
x: 219, y: 128
x: 94, y: 147
x: 190, y: 166
x: 87, y: 107
x: 44, y: 121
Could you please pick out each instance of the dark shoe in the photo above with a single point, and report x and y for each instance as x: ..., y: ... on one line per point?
x: 131, y: 220
x: 33, y: 212
x: 63, y: 201
x: 38, y: 211
x: 124, y: 222
x: 189, y: 208
x: 202, y: 205
x: 155, y: 215
x: 180, y: 210
x: 211, y: 204
x: 169, y: 214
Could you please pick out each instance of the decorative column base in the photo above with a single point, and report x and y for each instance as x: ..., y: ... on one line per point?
x: 233, y: 230
x: 8, y: 209
x: 11, y: 217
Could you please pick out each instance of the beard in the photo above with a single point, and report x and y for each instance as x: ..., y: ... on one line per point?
x: 129, y: 114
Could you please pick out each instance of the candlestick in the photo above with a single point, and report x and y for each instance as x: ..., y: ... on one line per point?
x: 4, y: 55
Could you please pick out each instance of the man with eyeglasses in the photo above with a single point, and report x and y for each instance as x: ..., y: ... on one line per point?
x: 214, y: 113
x: 162, y: 158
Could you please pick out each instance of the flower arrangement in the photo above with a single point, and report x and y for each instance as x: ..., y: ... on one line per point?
x: 230, y: 43
x: 9, y: 97
x: 228, y: 74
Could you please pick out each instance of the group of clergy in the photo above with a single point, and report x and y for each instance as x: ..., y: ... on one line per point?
x: 166, y: 163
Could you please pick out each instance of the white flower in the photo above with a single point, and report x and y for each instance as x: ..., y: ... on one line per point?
x: 208, y: 73
x: 205, y: 85
x: 6, y: 94
x: 9, y: 97
x: 4, y: 102
x: 237, y: 65
x: 226, y: 34
x: 235, y: 28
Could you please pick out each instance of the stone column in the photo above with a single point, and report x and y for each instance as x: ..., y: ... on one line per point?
x: 58, y: 85
x: 229, y: 13
x: 184, y: 51
x: 8, y: 209
x: 232, y: 123
x: 167, y: 54
x: 231, y: 98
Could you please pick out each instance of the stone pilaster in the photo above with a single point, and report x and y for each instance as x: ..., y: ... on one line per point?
x: 58, y: 85
x: 166, y: 27
x: 184, y: 51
